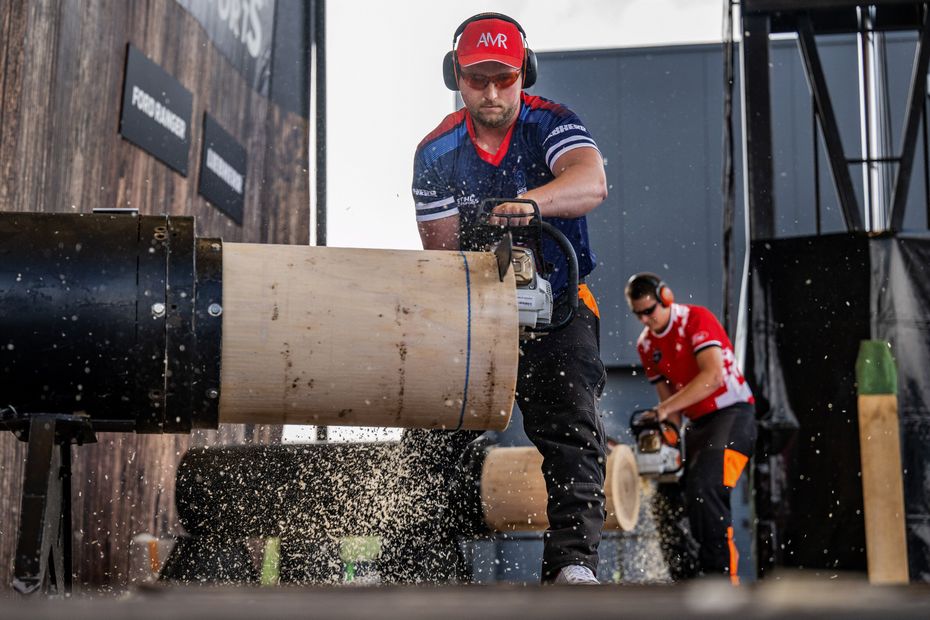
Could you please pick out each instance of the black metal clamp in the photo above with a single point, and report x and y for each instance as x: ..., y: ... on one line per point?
x: 108, y: 322
x: 43, y: 548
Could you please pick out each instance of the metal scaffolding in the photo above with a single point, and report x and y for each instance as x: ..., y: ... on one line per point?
x: 885, y: 188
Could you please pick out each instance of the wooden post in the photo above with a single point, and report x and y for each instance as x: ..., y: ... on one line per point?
x: 397, y: 338
x: 882, y: 480
x: 513, y: 491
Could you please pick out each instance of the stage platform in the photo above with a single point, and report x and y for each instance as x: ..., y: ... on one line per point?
x: 795, y: 597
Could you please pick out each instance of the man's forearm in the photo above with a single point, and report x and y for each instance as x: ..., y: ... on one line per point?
x: 441, y: 234
x: 703, y: 385
x: 572, y: 194
x: 580, y: 184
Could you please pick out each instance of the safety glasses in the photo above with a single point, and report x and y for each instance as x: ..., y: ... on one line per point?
x: 478, y: 81
x: 647, y: 311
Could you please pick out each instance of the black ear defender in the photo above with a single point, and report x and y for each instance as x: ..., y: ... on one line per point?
x: 450, y: 65
x: 662, y: 292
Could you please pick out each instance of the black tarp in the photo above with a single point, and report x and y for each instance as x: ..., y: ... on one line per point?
x: 809, y: 310
x: 813, y: 299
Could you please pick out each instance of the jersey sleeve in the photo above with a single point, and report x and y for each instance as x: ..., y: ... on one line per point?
x: 431, y: 196
x: 704, y: 330
x: 562, y: 132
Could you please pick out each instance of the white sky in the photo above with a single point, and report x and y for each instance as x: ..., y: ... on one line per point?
x: 385, y: 89
x: 385, y: 92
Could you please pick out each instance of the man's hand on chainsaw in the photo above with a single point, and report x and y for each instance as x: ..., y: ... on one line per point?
x: 651, y: 416
x: 515, y: 214
x: 659, y: 413
x: 664, y: 415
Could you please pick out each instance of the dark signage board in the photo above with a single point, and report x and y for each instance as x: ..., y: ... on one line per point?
x: 243, y: 31
x: 222, y: 170
x: 156, y: 111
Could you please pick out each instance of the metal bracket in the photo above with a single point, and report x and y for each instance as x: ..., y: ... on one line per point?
x: 831, y: 133
x: 504, y: 253
x: 915, y: 109
x: 43, y: 559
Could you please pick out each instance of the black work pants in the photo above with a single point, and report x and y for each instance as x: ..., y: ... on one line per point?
x: 717, y: 447
x: 561, y: 376
x: 560, y: 379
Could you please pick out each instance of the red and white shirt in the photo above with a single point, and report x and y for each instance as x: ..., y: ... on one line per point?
x: 672, y: 355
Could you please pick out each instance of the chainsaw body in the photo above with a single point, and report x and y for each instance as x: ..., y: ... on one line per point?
x: 520, y: 248
x: 658, y: 446
x: 534, y: 293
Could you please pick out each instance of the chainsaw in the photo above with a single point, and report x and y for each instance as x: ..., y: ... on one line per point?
x: 659, y: 447
x: 520, y: 248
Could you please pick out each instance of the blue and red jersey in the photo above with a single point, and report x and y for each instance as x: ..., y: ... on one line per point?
x: 452, y: 175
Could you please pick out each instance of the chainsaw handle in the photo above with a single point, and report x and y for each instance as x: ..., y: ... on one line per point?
x: 534, y: 230
x: 486, y: 210
x: 571, y: 289
x: 641, y: 420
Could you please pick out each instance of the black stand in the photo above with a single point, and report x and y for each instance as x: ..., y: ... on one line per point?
x: 43, y: 549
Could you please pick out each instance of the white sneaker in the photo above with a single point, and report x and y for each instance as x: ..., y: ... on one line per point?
x: 576, y: 575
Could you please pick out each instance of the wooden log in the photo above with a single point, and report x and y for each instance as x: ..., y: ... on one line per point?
x: 513, y: 491
x: 319, y: 335
x: 882, y: 478
x: 622, y: 487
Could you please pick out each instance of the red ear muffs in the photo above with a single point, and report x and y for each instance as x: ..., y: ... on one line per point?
x: 660, y: 289
x: 664, y: 294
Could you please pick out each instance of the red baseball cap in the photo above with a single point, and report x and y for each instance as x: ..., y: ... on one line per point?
x: 491, y: 40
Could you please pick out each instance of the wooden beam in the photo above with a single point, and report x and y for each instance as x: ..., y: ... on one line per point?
x: 882, y: 471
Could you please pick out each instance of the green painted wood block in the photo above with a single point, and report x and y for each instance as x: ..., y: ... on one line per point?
x: 876, y: 372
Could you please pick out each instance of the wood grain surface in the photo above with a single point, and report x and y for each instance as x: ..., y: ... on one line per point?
x: 364, y: 337
x: 883, y: 489
x: 61, y: 80
x: 513, y: 491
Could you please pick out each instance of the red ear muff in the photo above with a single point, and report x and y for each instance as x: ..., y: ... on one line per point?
x: 664, y: 294
x: 645, y: 283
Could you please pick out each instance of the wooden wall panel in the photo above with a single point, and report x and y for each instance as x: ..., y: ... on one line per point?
x: 61, y: 80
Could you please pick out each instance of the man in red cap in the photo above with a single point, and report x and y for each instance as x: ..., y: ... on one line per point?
x: 506, y: 143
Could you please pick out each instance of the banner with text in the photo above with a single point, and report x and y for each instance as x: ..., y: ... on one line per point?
x: 243, y: 31
x: 222, y: 170
x: 156, y: 111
